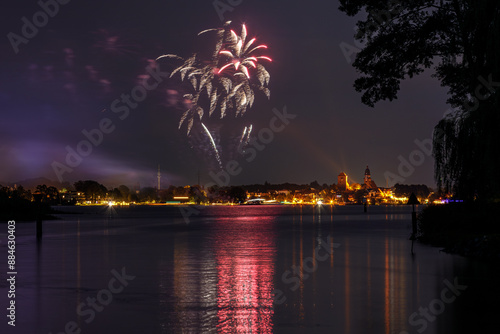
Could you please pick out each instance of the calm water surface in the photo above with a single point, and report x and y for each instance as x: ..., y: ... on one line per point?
x: 243, y: 269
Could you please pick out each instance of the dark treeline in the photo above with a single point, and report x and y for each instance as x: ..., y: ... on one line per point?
x: 405, y: 190
x: 268, y: 187
x: 19, y: 204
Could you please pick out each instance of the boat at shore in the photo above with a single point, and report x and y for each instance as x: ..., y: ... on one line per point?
x: 261, y: 201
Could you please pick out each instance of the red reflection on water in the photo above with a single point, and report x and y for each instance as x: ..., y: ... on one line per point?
x: 245, y: 252
x: 387, y: 288
x: 347, y: 289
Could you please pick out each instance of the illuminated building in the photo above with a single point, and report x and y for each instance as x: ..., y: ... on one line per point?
x: 342, y: 183
x: 368, y: 182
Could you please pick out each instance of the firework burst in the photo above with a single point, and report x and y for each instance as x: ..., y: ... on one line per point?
x: 227, y: 82
x: 240, y: 55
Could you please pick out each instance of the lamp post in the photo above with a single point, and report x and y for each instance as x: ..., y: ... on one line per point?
x: 413, y: 200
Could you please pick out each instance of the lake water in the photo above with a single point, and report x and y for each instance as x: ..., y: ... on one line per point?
x: 242, y: 269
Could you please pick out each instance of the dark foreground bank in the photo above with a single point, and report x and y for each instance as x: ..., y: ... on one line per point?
x: 20, y: 209
x: 468, y: 229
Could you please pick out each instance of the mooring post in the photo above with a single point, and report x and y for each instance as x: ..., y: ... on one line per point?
x: 38, y: 200
x: 413, y: 200
x: 414, y: 222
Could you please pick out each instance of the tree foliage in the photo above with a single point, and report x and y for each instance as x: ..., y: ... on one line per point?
x: 17, y: 203
x: 405, y: 190
x: 459, y: 40
x: 50, y: 194
x: 237, y: 194
x: 92, y: 189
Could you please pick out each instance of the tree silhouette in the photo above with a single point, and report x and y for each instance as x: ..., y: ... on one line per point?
x: 460, y: 41
x: 92, y: 189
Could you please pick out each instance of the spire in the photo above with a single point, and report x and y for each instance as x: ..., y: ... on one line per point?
x: 159, y: 177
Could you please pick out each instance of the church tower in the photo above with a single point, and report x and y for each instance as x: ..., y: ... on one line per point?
x: 159, y: 177
x: 368, y: 182
x: 342, y: 183
x: 368, y: 176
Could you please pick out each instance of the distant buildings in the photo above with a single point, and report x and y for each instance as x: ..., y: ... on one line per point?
x: 368, y: 184
x: 367, y: 191
x: 344, y: 192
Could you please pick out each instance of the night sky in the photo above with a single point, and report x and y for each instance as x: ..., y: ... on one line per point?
x: 65, y: 78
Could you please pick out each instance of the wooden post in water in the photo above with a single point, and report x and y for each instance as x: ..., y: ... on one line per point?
x: 413, y: 200
x: 38, y: 201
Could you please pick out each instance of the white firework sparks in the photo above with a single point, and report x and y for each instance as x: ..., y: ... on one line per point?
x: 245, y: 136
x: 227, y: 80
x: 213, y: 145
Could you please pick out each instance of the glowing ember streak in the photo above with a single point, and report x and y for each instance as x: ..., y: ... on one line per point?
x: 243, y: 32
x: 258, y: 47
x: 245, y: 70
x: 224, y: 67
x: 225, y: 52
x: 233, y: 35
x: 249, y: 132
x: 213, y: 145
x: 264, y: 57
x: 249, y: 44
x: 243, y: 135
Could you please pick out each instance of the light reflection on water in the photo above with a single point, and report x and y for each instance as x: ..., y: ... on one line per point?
x: 225, y: 282
x: 219, y: 273
x: 245, y: 255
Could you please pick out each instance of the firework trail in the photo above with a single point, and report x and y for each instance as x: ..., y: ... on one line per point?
x: 245, y: 136
x: 213, y: 145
